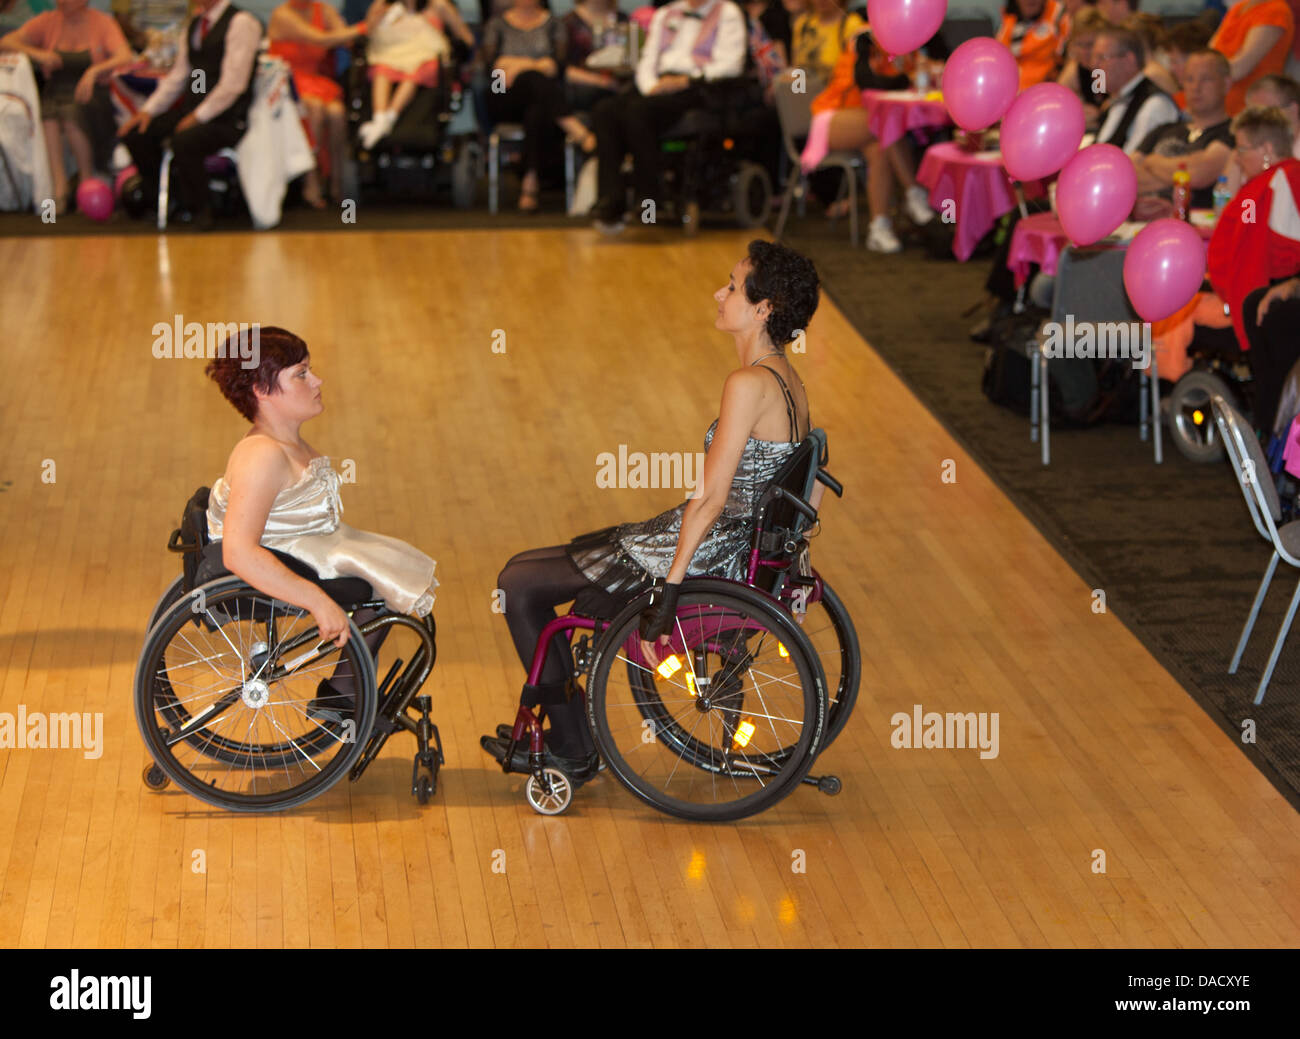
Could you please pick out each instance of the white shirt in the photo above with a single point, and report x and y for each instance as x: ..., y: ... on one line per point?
x: 1156, y: 110
x: 726, y: 60
x: 242, y: 38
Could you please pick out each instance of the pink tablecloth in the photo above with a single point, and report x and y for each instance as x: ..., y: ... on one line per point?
x: 972, y: 186
x: 891, y: 113
x: 1039, y: 239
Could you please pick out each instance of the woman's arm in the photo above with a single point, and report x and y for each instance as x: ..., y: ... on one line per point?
x: 376, y: 15
x: 451, y: 17
x: 1258, y: 42
x: 257, y: 472
x: 742, y: 402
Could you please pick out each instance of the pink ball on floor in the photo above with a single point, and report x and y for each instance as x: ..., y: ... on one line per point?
x: 121, y: 179
x: 95, y: 199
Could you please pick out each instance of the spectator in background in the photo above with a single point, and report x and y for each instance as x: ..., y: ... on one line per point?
x: 77, y: 50
x: 772, y: 18
x: 1079, y: 66
x: 1031, y: 30
x: 690, y: 42
x: 144, y: 21
x: 1137, y: 106
x: 864, y: 66
x: 304, y: 34
x: 1254, y: 256
x: 819, y: 36
x: 1255, y: 36
x: 1269, y: 92
x: 1149, y: 29
x: 1203, y: 143
x: 1177, y: 43
x: 586, y: 28
x: 408, y: 46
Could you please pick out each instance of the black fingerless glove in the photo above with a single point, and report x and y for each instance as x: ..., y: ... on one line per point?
x: 657, y: 618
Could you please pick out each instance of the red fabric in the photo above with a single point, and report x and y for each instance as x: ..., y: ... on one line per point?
x: 1246, y: 256
x: 311, y: 64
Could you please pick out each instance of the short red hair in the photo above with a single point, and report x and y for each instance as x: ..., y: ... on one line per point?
x: 278, y: 349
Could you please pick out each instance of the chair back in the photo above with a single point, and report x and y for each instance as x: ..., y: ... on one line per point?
x: 784, y: 511
x: 794, y: 112
x: 191, y: 537
x: 1250, y: 467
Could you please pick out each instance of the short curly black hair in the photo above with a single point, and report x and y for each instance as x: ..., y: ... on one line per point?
x: 277, y: 349
x: 789, y: 282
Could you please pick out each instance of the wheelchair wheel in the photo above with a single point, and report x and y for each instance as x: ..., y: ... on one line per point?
x: 1190, y: 421
x: 829, y: 628
x: 222, y: 692
x: 174, y: 592
x: 730, y: 720
x: 751, y: 195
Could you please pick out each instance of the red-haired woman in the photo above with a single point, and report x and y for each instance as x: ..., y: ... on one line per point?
x: 278, y: 492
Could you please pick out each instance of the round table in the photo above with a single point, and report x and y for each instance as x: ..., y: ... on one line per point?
x: 970, y: 189
x: 891, y: 113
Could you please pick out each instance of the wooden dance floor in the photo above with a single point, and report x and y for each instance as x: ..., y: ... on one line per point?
x: 1114, y: 814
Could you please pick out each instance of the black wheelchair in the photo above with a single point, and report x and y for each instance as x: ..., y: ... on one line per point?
x: 233, y: 693
x: 423, y: 154
x: 1219, y: 368
x: 707, y: 163
x: 758, y: 680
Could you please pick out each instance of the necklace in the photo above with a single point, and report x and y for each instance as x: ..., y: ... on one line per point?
x: 774, y: 353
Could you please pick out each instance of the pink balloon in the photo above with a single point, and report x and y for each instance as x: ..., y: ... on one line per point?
x: 95, y: 198
x: 1164, y: 268
x: 1041, y: 130
x: 980, y: 81
x: 1095, y: 193
x: 900, y: 26
x: 121, y: 180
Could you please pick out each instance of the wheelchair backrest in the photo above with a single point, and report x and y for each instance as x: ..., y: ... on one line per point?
x: 192, y: 535
x: 785, y: 511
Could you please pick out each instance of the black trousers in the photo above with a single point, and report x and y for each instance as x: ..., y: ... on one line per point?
x: 537, y: 101
x: 189, y: 180
x: 534, y: 583
x: 1274, y: 349
x: 632, y: 122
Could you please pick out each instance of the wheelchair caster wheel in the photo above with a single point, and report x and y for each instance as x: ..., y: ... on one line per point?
x: 155, y: 778
x: 424, y: 787
x: 830, y: 785
x: 550, y: 801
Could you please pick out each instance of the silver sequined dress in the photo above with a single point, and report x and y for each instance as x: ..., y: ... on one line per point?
x: 625, y: 560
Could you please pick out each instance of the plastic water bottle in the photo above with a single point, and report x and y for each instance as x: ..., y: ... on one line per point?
x: 922, y: 78
x: 1222, y: 196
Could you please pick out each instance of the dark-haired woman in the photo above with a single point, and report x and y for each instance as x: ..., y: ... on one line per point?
x: 769, y: 298
x: 279, y: 493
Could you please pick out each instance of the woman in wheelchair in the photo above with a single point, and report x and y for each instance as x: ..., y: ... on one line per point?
x: 769, y: 299
x: 279, y: 493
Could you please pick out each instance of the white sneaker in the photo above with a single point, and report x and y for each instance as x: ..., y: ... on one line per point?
x: 881, y: 237
x: 584, y: 189
x: 918, y: 206
x: 368, y: 133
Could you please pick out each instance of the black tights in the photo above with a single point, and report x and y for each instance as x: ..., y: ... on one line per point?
x: 534, y: 583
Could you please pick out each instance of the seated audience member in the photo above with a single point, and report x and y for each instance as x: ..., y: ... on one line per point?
x: 1255, y: 36
x: 819, y: 36
x: 1254, y: 256
x: 1177, y: 43
x: 1079, y: 67
x: 407, y: 45
x: 1269, y: 92
x: 1031, y: 30
x: 221, y: 42
x: 304, y: 34
x: 864, y: 66
x: 1073, y: 9
x: 1203, y: 143
x: 772, y: 19
x: 525, y: 48
x: 690, y: 43
x: 585, y: 28
x: 1136, y: 105
x: 144, y: 22
x: 1149, y: 30
x: 77, y: 50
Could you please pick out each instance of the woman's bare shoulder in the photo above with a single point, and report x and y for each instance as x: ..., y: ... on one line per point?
x: 260, y: 454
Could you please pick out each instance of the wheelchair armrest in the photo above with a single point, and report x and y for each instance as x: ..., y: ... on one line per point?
x: 796, y: 501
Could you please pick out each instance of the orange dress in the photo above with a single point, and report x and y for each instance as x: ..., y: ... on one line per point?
x: 1232, y: 33
x: 312, y: 64
x: 1038, y: 51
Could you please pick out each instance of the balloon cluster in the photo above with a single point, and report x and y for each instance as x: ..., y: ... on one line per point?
x: 1042, y: 128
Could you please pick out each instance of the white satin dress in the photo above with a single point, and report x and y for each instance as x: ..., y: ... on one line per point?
x: 305, y: 523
